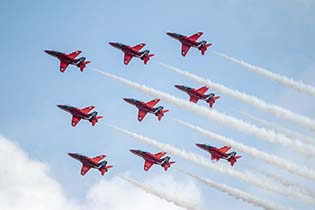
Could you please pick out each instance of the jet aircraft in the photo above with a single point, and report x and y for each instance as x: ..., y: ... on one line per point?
x: 190, y: 41
x: 218, y: 153
x: 78, y: 114
x: 66, y: 59
x: 130, y: 52
x: 88, y: 163
x: 199, y: 94
x: 144, y: 108
x: 150, y: 159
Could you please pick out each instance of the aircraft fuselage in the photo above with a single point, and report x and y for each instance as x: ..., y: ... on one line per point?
x: 192, y: 92
x: 74, y: 111
x: 84, y: 160
x: 140, y: 105
x: 126, y: 49
x: 214, y: 151
x: 147, y: 156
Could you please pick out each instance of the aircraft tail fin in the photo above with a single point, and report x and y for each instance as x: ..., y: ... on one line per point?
x: 161, y: 114
x: 104, y: 169
x: 83, y: 65
x: 95, y: 119
x: 233, y: 159
x: 167, y: 163
x: 212, y: 100
x: 204, y: 48
x: 146, y: 58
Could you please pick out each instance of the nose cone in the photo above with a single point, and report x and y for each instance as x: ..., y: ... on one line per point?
x: 170, y: 34
x: 73, y: 155
x: 128, y: 100
x: 63, y: 107
x: 49, y: 52
x: 112, y: 44
x: 200, y: 146
x: 134, y: 151
x: 180, y: 87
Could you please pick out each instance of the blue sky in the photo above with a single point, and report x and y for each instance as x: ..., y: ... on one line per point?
x: 276, y: 35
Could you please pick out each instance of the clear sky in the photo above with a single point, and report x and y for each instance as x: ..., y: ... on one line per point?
x: 278, y: 35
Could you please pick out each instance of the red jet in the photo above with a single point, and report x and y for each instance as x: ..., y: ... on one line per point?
x: 88, y: 163
x: 218, y: 153
x: 144, y: 108
x: 131, y: 52
x: 66, y: 59
x: 150, y: 159
x: 78, y: 114
x: 190, y: 41
x: 199, y: 94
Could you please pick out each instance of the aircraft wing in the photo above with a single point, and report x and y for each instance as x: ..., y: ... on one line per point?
x: 141, y: 114
x: 225, y: 149
x: 73, y: 55
x: 153, y: 102
x: 193, y: 99
x: 85, y: 169
x: 195, y: 36
x: 215, y: 157
x: 185, y: 49
x: 159, y: 155
x: 86, y: 110
x: 138, y: 47
x: 63, y: 66
x: 147, y: 165
x: 202, y: 90
x: 98, y: 158
x: 127, y: 58
x: 75, y: 120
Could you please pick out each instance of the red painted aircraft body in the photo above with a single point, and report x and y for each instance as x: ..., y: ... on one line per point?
x: 199, y: 94
x: 190, y: 41
x: 144, y: 108
x: 66, y: 59
x: 220, y: 153
x: 150, y: 159
x: 130, y: 52
x: 78, y: 114
x: 88, y: 163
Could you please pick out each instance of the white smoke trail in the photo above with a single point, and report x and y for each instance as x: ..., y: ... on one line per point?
x: 286, y: 183
x: 249, y: 99
x: 237, y: 193
x: 199, y: 160
x: 255, y: 153
x: 289, y: 133
x: 162, y: 196
x: 297, y: 85
x: 240, y: 125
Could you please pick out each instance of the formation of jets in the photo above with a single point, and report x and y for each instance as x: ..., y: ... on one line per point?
x: 143, y: 107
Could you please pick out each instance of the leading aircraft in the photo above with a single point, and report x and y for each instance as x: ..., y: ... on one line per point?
x: 199, y: 94
x: 78, y: 114
x: 218, y: 153
x: 66, y: 59
x: 190, y: 41
x: 150, y: 159
x: 130, y: 52
x: 88, y: 163
x: 144, y: 108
